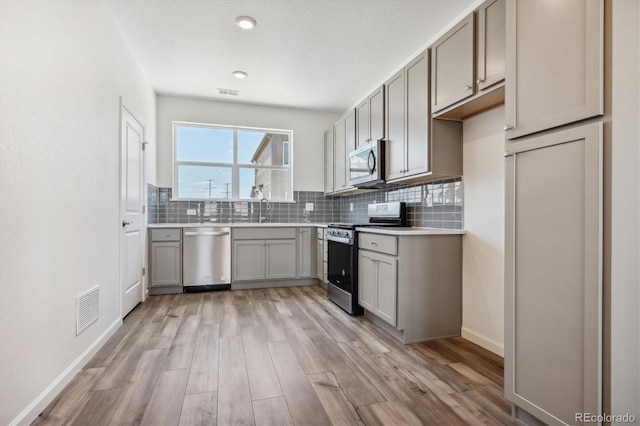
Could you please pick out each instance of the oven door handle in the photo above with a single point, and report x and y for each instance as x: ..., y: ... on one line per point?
x: 341, y: 240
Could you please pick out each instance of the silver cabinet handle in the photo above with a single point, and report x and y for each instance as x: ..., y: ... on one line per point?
x: 177, y: 245
x: 167, y: 235
x: 467, y: 87
x: 507, y: 154
x: 508, y: 127
x: 125, y: 223
x: 478, y: 81
x: 373, y: 243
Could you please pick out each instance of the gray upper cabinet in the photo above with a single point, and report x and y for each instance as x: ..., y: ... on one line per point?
x: 452, y: 76
x: 553, y: 274
x: 418, y: 147
x: 491, y: 36
x: 344, y: 142
x: 328, y: 161
x: 554, y: 73
x: 370, y: 117
x: 417, y: 115
x: 339, y: 156
x: 394, y: 126
x: 465, y: 52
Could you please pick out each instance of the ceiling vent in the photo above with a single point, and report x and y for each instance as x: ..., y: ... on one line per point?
x: 229, y: 92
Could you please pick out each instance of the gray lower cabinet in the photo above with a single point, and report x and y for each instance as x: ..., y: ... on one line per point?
x: 306, y: 252
x: 265, y: 253
x: 165, y: 261
x: 264, y: 259
x: 553, y: 275
x: 378, y: 274
x: 554, y: 73
x: 411, y: 286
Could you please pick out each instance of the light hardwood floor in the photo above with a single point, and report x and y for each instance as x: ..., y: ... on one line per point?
x: 276, y: 356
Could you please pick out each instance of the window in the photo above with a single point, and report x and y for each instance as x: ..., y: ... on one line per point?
x: 214, y: 162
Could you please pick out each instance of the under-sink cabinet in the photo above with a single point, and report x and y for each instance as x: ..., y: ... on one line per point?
x: 262, y: 255
x: 165, y: 261
x: 411, y: 285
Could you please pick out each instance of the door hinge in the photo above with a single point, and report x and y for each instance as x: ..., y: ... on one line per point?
x: 144, y: 271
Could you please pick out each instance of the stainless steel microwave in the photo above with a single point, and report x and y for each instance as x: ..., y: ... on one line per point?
x: 366, y: 165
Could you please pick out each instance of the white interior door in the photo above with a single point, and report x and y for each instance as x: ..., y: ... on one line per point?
x: 132, y: 226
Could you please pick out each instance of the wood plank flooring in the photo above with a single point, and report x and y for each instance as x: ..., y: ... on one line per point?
x: 280, y: 356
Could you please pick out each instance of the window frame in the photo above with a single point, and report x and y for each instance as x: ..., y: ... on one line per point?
x: 235, y: 166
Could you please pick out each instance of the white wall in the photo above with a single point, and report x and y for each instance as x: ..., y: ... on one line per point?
x: 625, y: 209
x: 483, y: 244
x: 63, y: 68
x: 308, y: 132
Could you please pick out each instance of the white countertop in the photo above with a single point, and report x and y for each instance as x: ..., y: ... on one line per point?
x: 235, y: 225
x: 411, y: 231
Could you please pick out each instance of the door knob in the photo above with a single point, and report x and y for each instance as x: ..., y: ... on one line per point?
x: 125, y: 223
x: 467, y: 87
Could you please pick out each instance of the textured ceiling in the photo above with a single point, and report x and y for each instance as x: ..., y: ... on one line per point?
x: 312, y: 54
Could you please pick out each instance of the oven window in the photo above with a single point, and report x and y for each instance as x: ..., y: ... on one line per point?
x: 340, y: 265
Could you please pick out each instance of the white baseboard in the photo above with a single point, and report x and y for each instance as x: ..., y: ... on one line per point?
x: 34, y: 409
x: 484, y: 341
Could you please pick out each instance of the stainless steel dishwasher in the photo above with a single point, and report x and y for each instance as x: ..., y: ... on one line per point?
x: 206, y: 259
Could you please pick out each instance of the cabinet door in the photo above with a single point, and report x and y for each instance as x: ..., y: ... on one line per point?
x: 350, y: 143
x: 362, y: 119
x: 339, y: 156
x: 452, y: 65
x: 417, y: 92
x: 319, y: 261
x: 248, y: 260
x: 376, y: 114
x: 394, y: 125
x: 366, y: 280
x: 280, y: 259
x: 386, y: 287
x: 553, y: 274
x: 491, y: 44
x: 328, y: 161
x: 554, y: 73
x: 166, y: 264
x: 305, y: 252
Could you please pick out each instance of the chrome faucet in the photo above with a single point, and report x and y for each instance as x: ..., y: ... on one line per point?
x: 260, y: 217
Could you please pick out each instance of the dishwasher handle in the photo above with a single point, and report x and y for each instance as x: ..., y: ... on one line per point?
x: 215, y: 234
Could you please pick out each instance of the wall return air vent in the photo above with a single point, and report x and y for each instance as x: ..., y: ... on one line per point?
x: 87, y: 309
x: 229, y: 92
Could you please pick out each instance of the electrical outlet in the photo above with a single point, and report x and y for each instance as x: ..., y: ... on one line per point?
x: 191, y: 212
x: 309, y: 207
x: 350, y: 207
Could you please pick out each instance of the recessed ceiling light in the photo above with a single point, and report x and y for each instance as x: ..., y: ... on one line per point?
x: 239, y: 74
x: 246, y: 22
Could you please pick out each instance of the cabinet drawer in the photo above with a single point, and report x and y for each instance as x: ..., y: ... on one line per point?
x: 172, y: 234
x: 263, y: 233
x: 381, y: 243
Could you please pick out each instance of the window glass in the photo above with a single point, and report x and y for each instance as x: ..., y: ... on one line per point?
x: 204, y: 144
x: 223, y: 162
x: 204, y: 181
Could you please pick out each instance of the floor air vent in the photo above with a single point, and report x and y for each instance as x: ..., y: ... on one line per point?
x: 88, y: 311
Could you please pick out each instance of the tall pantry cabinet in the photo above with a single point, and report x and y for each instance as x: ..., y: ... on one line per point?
x: 554, y: 209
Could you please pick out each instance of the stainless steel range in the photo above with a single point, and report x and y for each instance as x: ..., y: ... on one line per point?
x: 342, y: 266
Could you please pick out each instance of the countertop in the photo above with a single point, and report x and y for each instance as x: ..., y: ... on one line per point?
x: 410, y: 231
x: 370, y: 229
x: 235, y: 225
